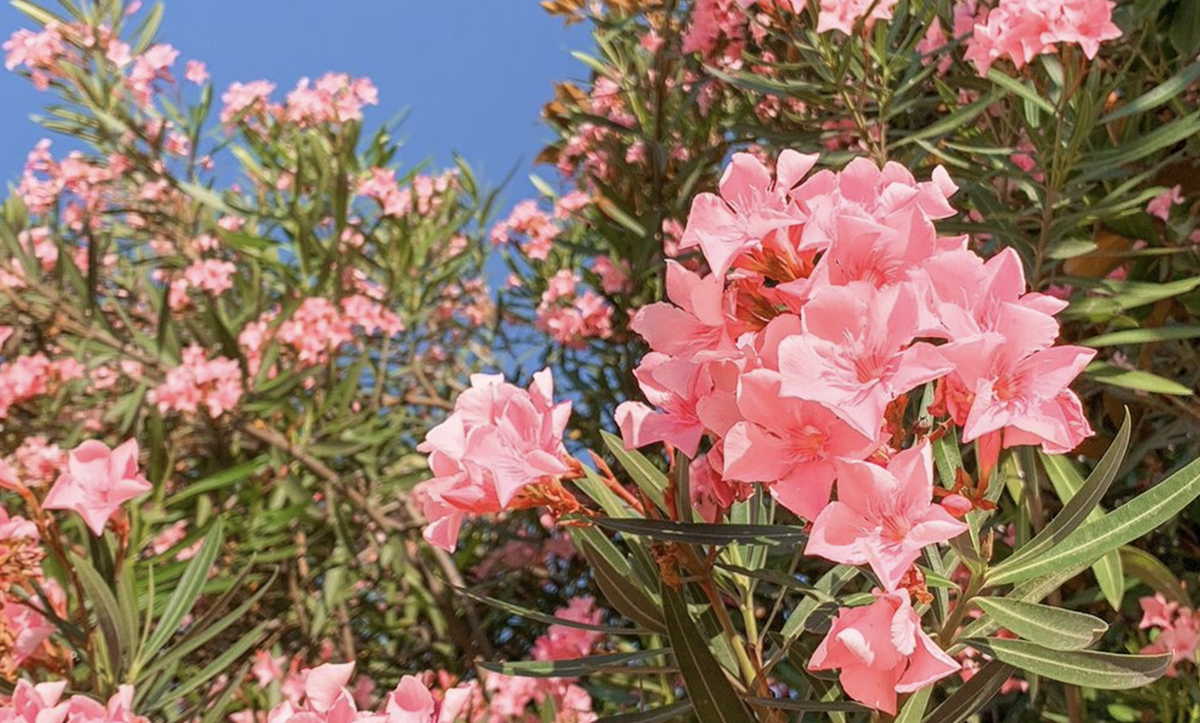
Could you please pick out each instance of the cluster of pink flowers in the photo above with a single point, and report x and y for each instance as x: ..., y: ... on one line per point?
x: 831, y: 298
x: 198, y: 382
x: 152, y: 65
x: 213, y: 276
x: 22, y: 622
x: 45, y: 180
x: 425, y: 195
x: 248, y: 101
x: 318, y: 328
x: 38, y: 52
x: 1176, y: 628
x: 43, y: 703
x: 494, y: 452
x: 1021, y: 30
x: 334, y: 98
x: 326, y: 699
x: 510, y: 698
x: 570, y: 317
x: 32, y: 376
x: 538, y: 227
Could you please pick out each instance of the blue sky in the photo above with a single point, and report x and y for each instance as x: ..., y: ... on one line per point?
x: 472, y: 74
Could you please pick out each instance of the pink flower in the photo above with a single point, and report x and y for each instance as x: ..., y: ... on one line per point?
x: 1020, y: 30
x: 211, y: 275
x: 499, y: 440
x: 564, y: 643
x: 883, y: 517
x: 750, y: 206
x: 1016, y: 381
x: 856, y: 353
x: 214, y: 384
x: 97, y: 482
x: 788, y: 443
x: 694, y: 326
x: 880, y: 651
x: 843, y: 14
x: 197, y: 72
x: 1161, y: 204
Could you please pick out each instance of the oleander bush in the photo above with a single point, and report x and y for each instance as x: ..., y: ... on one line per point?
x: 846, y: 372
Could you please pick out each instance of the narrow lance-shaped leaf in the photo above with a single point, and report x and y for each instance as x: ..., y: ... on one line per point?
x: 1154, y: 574
x: 1050, y: 627
x: 1087, y: 668
x: 1123, y: 525
x: 699, y: 533
x: 186, y: 592
x: 713, y: 696
x: 973, y: 695
x: 576, y: 667
x: 1079, y: 506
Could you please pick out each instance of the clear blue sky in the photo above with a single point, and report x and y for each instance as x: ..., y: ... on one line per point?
x: 473, y: 74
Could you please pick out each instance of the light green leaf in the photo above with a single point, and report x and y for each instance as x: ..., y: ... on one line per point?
x: 576, y: 667
x: 700, y: 533
x: 1150, y: 571
x: 1085, y: 668
x: 1050, y: 627
x: 1144, y: 336
x: 1135, y: 379
x: 1136, y: 518
x: 1161, y: 93
x: 187, y: 590
x: 106, y: 610
x: 713, y: 696
x: 1078, y: 506
x: 973, y: 695
x: 645, y: 475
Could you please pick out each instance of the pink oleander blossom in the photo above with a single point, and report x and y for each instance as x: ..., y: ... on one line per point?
x: 499, y: 441
x: 881, y: 651
x: 883, y: 517
x: 751, y: 205
x: 98, y: 481
x: 857, y: 353
x: 1020, y: 30
x: 212, y: 384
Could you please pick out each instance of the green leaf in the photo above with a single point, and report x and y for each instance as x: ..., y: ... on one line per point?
x: 1135, y: 379
x: 654, y: 715
x: 1027, y: 93
x: 700, y: 533
x: 1138, y: 517
x: 1085, y: 668
x: 973, y: 695
x: 713, y: 696
x: 616, y: 581
x: 1151, y: 572
x: 107, y: 612
x: 1050, y: 627
x: 1067, y: 482
x: 808, y: 706
x: 1144, y: 336
x: 540, y: 617
x: 222, y: 479
x: 1079, y: 505
x: 221, y: 664
x: 649, y: 479
x: 576, y: 667
x: 1161, y: 93
x: 914, y: 710
x: 187, y: 590
x: 206, y: 196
